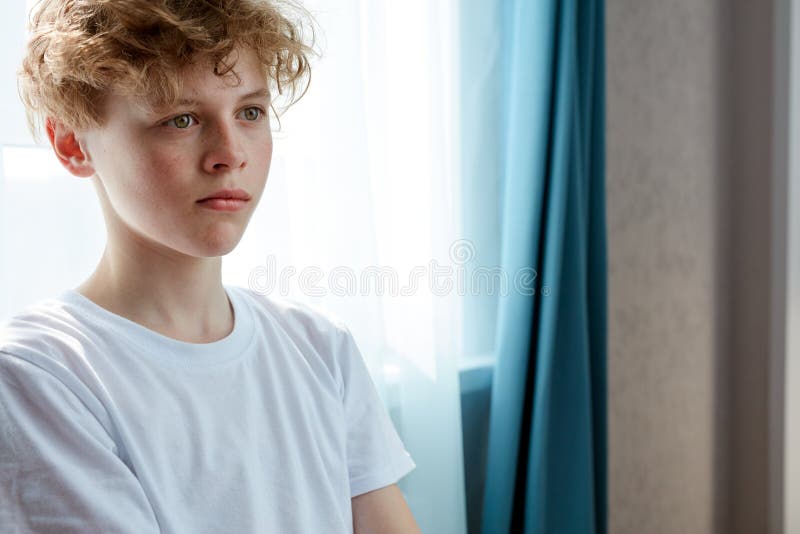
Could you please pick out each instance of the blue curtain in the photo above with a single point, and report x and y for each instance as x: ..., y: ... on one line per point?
x: 546, y: 464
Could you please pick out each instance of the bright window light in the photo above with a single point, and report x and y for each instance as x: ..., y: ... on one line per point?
x: 31, y: 163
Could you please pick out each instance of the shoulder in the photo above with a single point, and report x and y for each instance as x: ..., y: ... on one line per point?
x: 43, y: 347
x: 297, y: 317
x: 50, y: 336
x: 49, y: 328
x: 319, y: 335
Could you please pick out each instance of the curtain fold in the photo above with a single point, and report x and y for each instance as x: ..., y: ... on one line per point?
x: 546, y: 465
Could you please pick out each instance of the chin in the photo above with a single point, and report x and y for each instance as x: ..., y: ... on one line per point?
x: 218, y: 244
x: 219, y: 249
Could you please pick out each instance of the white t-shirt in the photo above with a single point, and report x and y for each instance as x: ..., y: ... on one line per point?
x: 107, y: 426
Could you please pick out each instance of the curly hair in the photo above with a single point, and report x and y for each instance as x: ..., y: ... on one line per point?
x: 79, y: 50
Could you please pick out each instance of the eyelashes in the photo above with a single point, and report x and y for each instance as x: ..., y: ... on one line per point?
x: 183, y: 121
x: 175, y: 120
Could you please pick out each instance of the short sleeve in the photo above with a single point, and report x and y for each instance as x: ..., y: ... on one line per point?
x: 376, y: 456
x: 59, y: 471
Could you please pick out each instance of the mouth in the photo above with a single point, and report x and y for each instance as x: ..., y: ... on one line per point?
x: 223, y: 204
x: 227, y: 194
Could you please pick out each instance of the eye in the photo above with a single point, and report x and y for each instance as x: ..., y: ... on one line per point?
x: 253, y: 113
x: 181, y: 121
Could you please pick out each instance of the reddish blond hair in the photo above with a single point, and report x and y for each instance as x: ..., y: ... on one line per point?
x: 81, y: 49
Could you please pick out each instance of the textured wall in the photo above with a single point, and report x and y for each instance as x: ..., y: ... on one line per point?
x: 666, y: 183
x: 689, y: 207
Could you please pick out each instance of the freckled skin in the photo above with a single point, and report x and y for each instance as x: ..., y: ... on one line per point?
x: 161, y: 266
x: 151, y: 168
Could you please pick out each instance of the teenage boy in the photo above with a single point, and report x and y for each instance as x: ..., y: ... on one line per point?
x: 153, y: 398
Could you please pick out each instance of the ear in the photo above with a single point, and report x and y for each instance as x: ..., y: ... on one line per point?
x: 68, y: 149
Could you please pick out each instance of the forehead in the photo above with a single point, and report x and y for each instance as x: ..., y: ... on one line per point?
x: 199, y: 84
x: 200, y: 74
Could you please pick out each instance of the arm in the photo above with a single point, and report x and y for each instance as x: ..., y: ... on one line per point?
x: 383, y: 511
x: 59, y: 471
x: 377, y: 458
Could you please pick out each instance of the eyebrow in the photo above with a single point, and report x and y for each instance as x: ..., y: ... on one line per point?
x: 259, y: 93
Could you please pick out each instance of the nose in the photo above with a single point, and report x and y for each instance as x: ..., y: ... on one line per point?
x: 224, y: 152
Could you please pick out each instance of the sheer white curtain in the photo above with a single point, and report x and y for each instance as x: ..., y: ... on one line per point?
x: 360, y: 216
x: 362, y: 197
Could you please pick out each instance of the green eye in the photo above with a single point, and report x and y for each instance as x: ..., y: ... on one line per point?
x: 181, y: 121
x: 252, y: 114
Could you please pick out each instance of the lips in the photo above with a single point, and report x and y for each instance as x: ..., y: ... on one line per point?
x: 228, y: 194
x: 224, y: 204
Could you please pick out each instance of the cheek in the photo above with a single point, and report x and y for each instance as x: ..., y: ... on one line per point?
x: 161, y: 173
x: 259, y: 153
x: 266, y: 153
x: 153, y: 186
